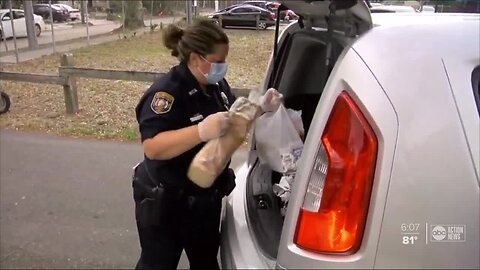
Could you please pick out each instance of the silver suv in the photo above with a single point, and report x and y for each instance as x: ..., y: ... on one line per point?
x: 389, y: 174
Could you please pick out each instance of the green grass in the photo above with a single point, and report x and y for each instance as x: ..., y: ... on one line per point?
x: 38, y: 107
x: 129, y: 134
x: 80, y: 131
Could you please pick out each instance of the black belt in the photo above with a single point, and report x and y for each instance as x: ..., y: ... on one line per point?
x: 141, y: 173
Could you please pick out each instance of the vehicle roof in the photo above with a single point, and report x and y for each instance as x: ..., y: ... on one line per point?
x: 243, y: 6
x: 435, y: 35
x: 248, y: 5
x: 263, y: 2
x: 426, y: 44
x: 426, y: 68
x: 418, y: 18
x: 44, y: 5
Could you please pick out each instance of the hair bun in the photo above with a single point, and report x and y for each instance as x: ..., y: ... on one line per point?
x: 171, y: 37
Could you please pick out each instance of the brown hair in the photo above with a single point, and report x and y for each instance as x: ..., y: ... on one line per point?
x: 200, y: 37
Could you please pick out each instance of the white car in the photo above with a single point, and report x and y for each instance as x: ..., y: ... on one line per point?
x: 18, y: 24
x: 389, y: 173
x: 430, y: 9
x: 72, y: 12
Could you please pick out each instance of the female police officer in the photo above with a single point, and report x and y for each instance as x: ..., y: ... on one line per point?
x: 176, y: 115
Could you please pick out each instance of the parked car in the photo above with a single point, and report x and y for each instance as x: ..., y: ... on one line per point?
x: 285, y: 15
x: 244, y: 15
x: 18, y: 24
x: 428, y: 9
x: 73, y: 13
x: 262, y: 4
x: 389, y: 173
x: 270, y: 6
x: 288, y: 15
x: 59, y: 14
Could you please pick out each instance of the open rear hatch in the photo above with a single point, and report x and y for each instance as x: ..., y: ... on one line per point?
x: 351, y: 18
x: 302, y: 61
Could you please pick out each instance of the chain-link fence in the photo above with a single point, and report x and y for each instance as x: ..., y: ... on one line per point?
x: 98, y: 17
x: 89, y: 19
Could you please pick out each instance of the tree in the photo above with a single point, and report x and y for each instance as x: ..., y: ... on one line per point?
x: 133, y: 14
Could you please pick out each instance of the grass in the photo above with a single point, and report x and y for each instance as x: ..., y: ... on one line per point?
x: 107, y: 107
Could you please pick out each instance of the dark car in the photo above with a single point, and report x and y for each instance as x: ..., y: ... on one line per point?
x: 244, y: 15
x: 263, y: 4
x: 271, y: 6
x: 59, y: 14
x: 285, y: 15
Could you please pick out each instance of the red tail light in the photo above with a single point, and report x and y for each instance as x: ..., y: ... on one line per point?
x: 335, y: 206
x: 272, y: 16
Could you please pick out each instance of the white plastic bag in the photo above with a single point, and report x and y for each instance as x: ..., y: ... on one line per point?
x: 277, y: 139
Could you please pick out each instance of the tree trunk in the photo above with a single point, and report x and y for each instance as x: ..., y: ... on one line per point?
x: 133, y: 14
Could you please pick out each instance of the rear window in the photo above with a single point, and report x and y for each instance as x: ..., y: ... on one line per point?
x: 476, y: 87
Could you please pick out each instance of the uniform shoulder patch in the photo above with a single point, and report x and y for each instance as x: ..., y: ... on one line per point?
x: 161, y: 102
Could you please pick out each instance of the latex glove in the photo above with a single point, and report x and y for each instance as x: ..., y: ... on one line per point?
x: 271, y: 100
x: 214, y: 126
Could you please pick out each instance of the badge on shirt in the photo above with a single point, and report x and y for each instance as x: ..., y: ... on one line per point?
x: 196, y: 117
x: 162, y: 102
x: 193, y: 91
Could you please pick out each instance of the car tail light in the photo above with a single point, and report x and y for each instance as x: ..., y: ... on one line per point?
x: 335, y: 206
x: 272, y: 16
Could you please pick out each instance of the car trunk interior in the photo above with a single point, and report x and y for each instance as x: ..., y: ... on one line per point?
x: 300, y: 74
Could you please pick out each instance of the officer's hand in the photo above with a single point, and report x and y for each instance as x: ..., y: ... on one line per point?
x: 214, y: 126
x: 271, y: 100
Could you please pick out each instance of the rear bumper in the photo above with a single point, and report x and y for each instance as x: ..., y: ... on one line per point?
x: 237, y: 247
x: 226, y: 252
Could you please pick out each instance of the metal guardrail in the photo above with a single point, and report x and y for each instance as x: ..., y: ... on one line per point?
x: 67, y: 74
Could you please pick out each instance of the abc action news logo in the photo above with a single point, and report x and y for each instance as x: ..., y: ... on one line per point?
x: 447, y: 233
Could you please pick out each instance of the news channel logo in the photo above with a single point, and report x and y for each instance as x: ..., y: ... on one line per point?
x: 447, y: 233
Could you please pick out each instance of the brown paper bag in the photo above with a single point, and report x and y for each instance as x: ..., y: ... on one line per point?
x: 211, y: 160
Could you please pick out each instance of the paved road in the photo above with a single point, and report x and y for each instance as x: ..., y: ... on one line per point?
x: 65, y: 32
x: 67, y: 203
x: 68, y: 38
x: 62, y: 32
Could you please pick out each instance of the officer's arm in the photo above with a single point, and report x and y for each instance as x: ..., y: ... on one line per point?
x: 159, y: 115
x: 172, y: 143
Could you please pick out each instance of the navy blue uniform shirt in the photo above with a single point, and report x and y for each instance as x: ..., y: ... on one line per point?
x: 172, y: 102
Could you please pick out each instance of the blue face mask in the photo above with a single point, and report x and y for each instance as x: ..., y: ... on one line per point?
x: 217, y: 72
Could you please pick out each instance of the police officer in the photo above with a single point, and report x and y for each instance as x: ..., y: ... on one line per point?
x: 177, y: 115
